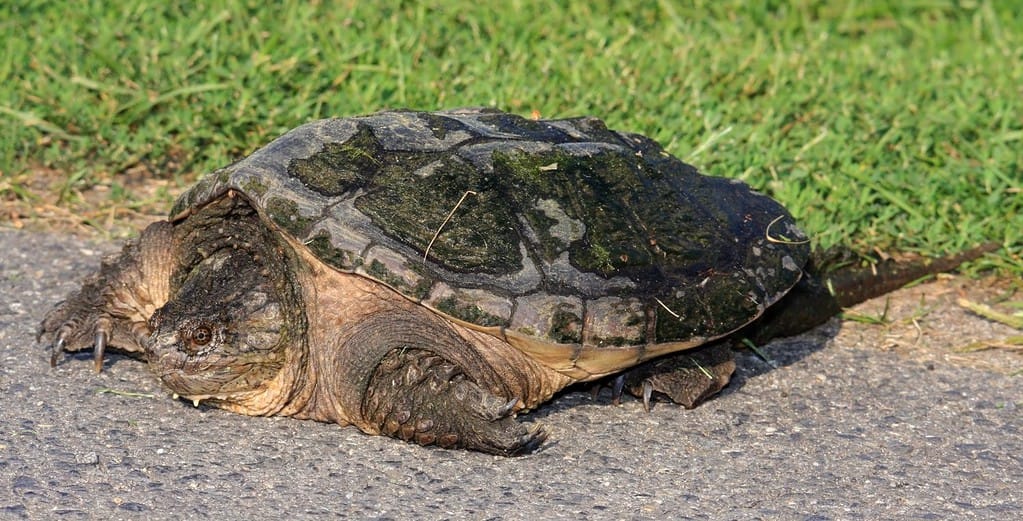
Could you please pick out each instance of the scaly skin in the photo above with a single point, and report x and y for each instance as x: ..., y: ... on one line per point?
x: 390, y: 366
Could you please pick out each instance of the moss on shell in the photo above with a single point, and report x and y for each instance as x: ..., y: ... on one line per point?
x: 324, y: 250
x: 468, y: 312
x: 285, y: 213
x: 566, y: 327
x: 340, y: 167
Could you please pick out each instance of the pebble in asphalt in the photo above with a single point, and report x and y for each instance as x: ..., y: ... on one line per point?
x: 855, y: 422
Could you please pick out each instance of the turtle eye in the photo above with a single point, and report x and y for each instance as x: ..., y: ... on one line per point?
x: 202, y: 336
x: 195, y: 337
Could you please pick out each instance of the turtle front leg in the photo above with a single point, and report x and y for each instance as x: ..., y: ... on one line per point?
x: 392, y: 367
x: 114, y: 305
x: 418, y: 396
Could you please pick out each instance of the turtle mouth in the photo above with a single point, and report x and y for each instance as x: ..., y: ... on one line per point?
x: 190, y: 377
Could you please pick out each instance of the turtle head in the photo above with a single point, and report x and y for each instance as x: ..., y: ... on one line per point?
x: 232, y: 322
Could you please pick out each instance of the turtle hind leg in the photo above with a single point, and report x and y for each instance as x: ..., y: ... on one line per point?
x: 419, y: 396
x: 688, y: 378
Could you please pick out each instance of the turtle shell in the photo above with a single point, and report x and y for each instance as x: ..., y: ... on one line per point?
x: 569, y: 240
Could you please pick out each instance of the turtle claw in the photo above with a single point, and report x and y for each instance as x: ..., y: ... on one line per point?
x: 69, y: 338
x: 686, y: 379
x: 112, y: 308
x: 506, y: 410
x: 531, y: 440
x: 100, y: 347
x: 617, y: 386
x: 57, y: 348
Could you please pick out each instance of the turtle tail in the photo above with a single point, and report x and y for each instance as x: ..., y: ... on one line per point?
x: 837, y: 278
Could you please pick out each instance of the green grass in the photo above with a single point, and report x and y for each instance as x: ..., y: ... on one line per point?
x: 897, y: 126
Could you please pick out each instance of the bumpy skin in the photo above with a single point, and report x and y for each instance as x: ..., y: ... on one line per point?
x: 325, y: 276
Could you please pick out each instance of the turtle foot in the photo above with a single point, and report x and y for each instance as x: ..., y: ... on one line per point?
x: 418, y: 396
x: 75, y: 325
x: 688, y: 378
x: 112, y: 307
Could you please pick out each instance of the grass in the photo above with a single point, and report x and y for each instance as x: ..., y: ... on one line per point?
x: 895, y: 126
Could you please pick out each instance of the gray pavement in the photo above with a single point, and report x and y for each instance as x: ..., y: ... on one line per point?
x: 856, y: 422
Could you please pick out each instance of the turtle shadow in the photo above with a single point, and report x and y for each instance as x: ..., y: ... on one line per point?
x: 750, y: 364
x: 87, y: 356
x: 781, y: 352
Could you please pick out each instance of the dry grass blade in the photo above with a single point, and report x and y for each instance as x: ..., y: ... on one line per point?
x: 781, y: 239
x: 1013, y: 343
x: 446, y: 219
x: 990, y: 313
x: 666, y: 308
x: 129, y: 394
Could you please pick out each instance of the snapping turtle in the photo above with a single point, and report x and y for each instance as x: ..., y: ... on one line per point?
x: 428, y: 275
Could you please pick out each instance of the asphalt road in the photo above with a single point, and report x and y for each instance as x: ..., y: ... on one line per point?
x: 855, y: 422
